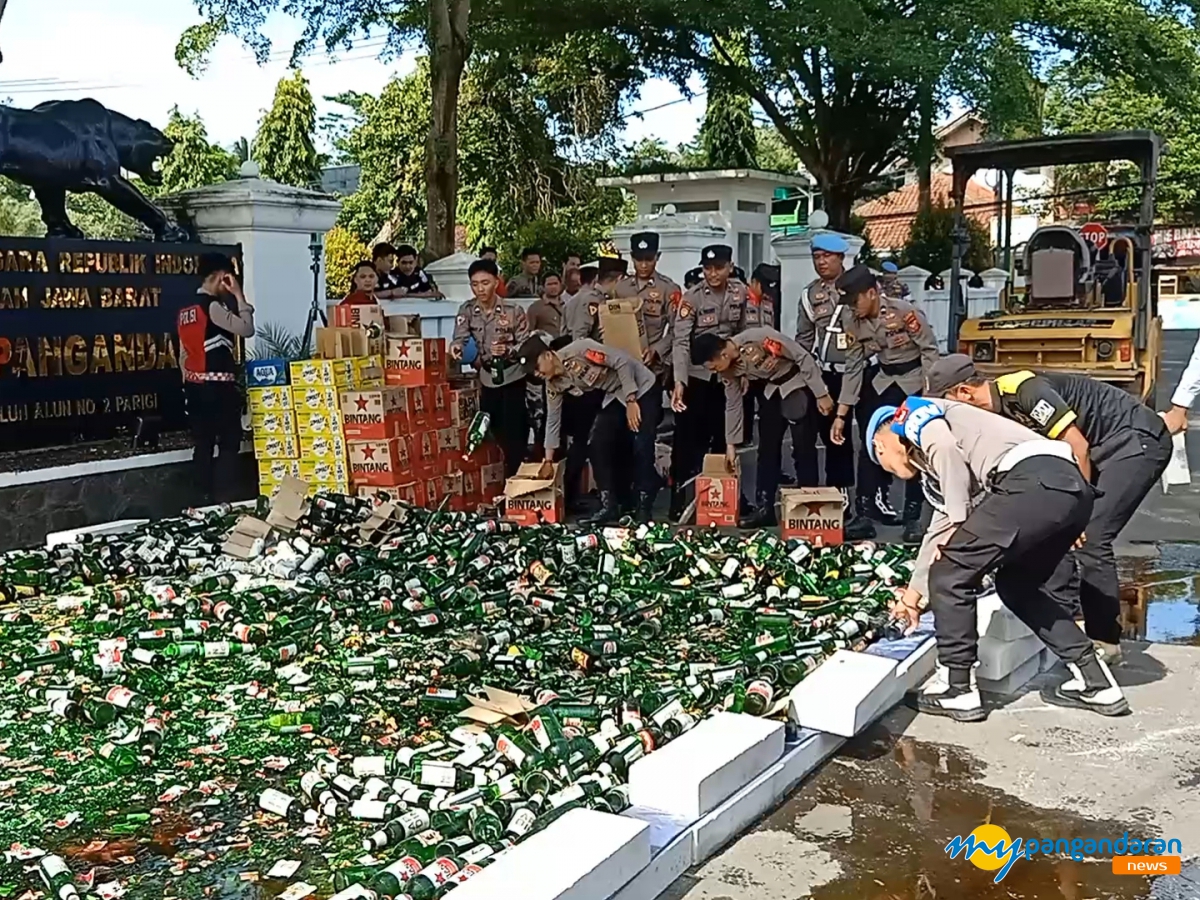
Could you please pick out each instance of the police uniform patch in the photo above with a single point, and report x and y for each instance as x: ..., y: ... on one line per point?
x: 1042, y: 412
x: 843, y: 341
x: 772, y: 346
x: 597, y: 357
x: 676, y: 296
x: 461, y: 320
x: 911, y: 322
x: 593, y: 308
x: 653, y: 295
x: 685, y: 310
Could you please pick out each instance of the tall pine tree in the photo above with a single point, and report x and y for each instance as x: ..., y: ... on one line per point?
x: 283, y: 147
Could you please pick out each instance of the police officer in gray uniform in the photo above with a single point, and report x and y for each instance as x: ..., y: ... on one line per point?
x: 897, y: 334
x: 630, y: 401
x: 781, y: 369
x: 1008, y: 502
x: 825, y: 330
x: 659, y: 295
x: 717, y: 305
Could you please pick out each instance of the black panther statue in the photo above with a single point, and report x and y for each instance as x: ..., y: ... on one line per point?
x: 82, y: 146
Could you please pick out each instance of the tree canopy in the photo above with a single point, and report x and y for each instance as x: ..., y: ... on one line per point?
x: 194, y: 161
x: 283, y: 147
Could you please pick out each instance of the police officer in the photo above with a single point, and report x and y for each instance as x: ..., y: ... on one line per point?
x: 715, y: 306
x: 890, y: 283
x: 1122, y: 448
x: 498, y: 327
x: 208, y: 333
x: 897, y: 334
x: 825, y: 328
x: 546, y: 314
x: 630, y: 401
x: 583, y: 311
x: 783, y: 369
x: 659, y: 295
x: 527, y: 282
x: 1006, y: 501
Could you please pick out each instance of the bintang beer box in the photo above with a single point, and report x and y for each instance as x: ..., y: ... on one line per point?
x: 414, y: 361
x: 717, y: 493
x: 376, y: 414
x: 425, y: 453
x: 438, y: 403
x: 535, y: 494
x: 464, y: 403
x: 380, y: 463
x: 814, y: 514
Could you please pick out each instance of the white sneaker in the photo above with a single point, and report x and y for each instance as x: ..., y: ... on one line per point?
x: 938, y: 698
x: 1107, y: 699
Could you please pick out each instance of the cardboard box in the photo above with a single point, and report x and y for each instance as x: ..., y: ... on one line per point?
x: 268, y: 487
x: 449, y: 444
x: 340, y: 343
x: 358, y: 315
x: 276, y: 446
x: 248, y: 538
x: 535, y: 494
x: 275, y: 470
x: 472, y: 487
x: 404, y: 326
x: 290, y: 505
x: 322, y: 372
x: 376, y: 414
x: 416, y: 402
x: 433, y: 491
x: 491, y: 479
x: 315, y: 399
x: 325, y: 471
x: 281, y: 421
x: 622, y: 326
x: 266, y: 373
x: 329, y: 487
x: 425, y: 453
x: 368, y: 371
x: 328, y: 422
x: 328, y: 447
x: 439, y: 405
x: 269, y: 399
x: 812, y: 514
x: 717, y: 493
x: 412, y: 361
x: 452, y: 487
x: 380, y: 463
x: 464, y: 403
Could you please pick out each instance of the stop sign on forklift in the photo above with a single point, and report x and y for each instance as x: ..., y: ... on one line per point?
x: 1096, y: 234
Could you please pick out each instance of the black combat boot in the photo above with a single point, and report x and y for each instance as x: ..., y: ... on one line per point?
x: 880, y: 508
x: 763, y: 516
x: 645, y: 506
x: 913, y: 532
x: 678, y: 504
x: 859, y: 527
x: 609, y: 512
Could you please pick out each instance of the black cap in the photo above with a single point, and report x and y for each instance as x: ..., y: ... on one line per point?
x: 716, y: 255
x: 693, y: 277
x: 529, y: 353
x: 948, y: 373
x: 856, y: 281
x: 611, y: 265
x: 767, y: 275
x: 644, y: 245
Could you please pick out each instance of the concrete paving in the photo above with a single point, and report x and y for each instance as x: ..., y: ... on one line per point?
x: 873, y: 822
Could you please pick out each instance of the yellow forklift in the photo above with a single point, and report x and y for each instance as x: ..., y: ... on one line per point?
x: 1089, y: 305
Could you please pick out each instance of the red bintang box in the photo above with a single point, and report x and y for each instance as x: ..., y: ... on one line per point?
x: 380, y: 463
x: 374, y: 415
x: 414, y: 361
x: 717, y: 493
x: 814, y: 514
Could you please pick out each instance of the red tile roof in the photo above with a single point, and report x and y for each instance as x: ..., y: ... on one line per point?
x: 890, y: 217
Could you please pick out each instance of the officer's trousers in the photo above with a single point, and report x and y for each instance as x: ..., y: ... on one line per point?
x: 700, y: 429
x: 1023, y: 531
x: 839, y: 461
x: 1121, y: 485
x: 611, y: 439
x: 214, y: 411
x: 579, y: 415
x: 510, y: 421
x: 871, y: 476
x: 771, y: 427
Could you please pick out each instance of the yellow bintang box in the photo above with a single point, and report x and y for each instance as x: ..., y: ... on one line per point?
x: 331, y: 448
x: 309, y: 424
x: 269, y: 399
x: 368, y: 371
x: 315, y: 399
x: 322, y: 373
x: 324, y: 471
x: 276, y: 446
x: 279, y: 422
x: 278, y: 469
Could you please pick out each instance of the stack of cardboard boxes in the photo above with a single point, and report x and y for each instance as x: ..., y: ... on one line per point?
x: 273, y: 419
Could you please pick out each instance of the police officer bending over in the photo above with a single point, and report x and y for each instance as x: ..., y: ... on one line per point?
x: 1122, y: 448
x: 498, y: 327
x: 1006, y: 501
x: 897, y: 334
x: 630, y: 400
x: 783, y: 369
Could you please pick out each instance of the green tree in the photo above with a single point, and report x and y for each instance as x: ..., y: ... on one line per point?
x: 727, y: 134
x: 194, y: 162
x: 343, y: 251
x: 930, y: 243
x: 283, y: 147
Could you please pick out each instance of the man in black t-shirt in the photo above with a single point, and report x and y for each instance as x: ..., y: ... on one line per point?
x: 410, y: 279
x: 384, y: 258
x: 1121, y: 445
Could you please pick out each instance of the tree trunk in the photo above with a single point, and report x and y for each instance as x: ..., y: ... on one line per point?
x: 925, y: 149
x: 839, y: 201
x: 448, y: 50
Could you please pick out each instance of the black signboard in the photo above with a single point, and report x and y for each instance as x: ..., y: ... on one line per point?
x: 87, y: 336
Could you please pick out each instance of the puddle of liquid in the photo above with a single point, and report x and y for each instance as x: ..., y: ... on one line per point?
x: 907, y: 799
x: 1160, y: 597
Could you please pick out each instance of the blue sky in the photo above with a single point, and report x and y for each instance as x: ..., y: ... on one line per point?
x: 122, y: 53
